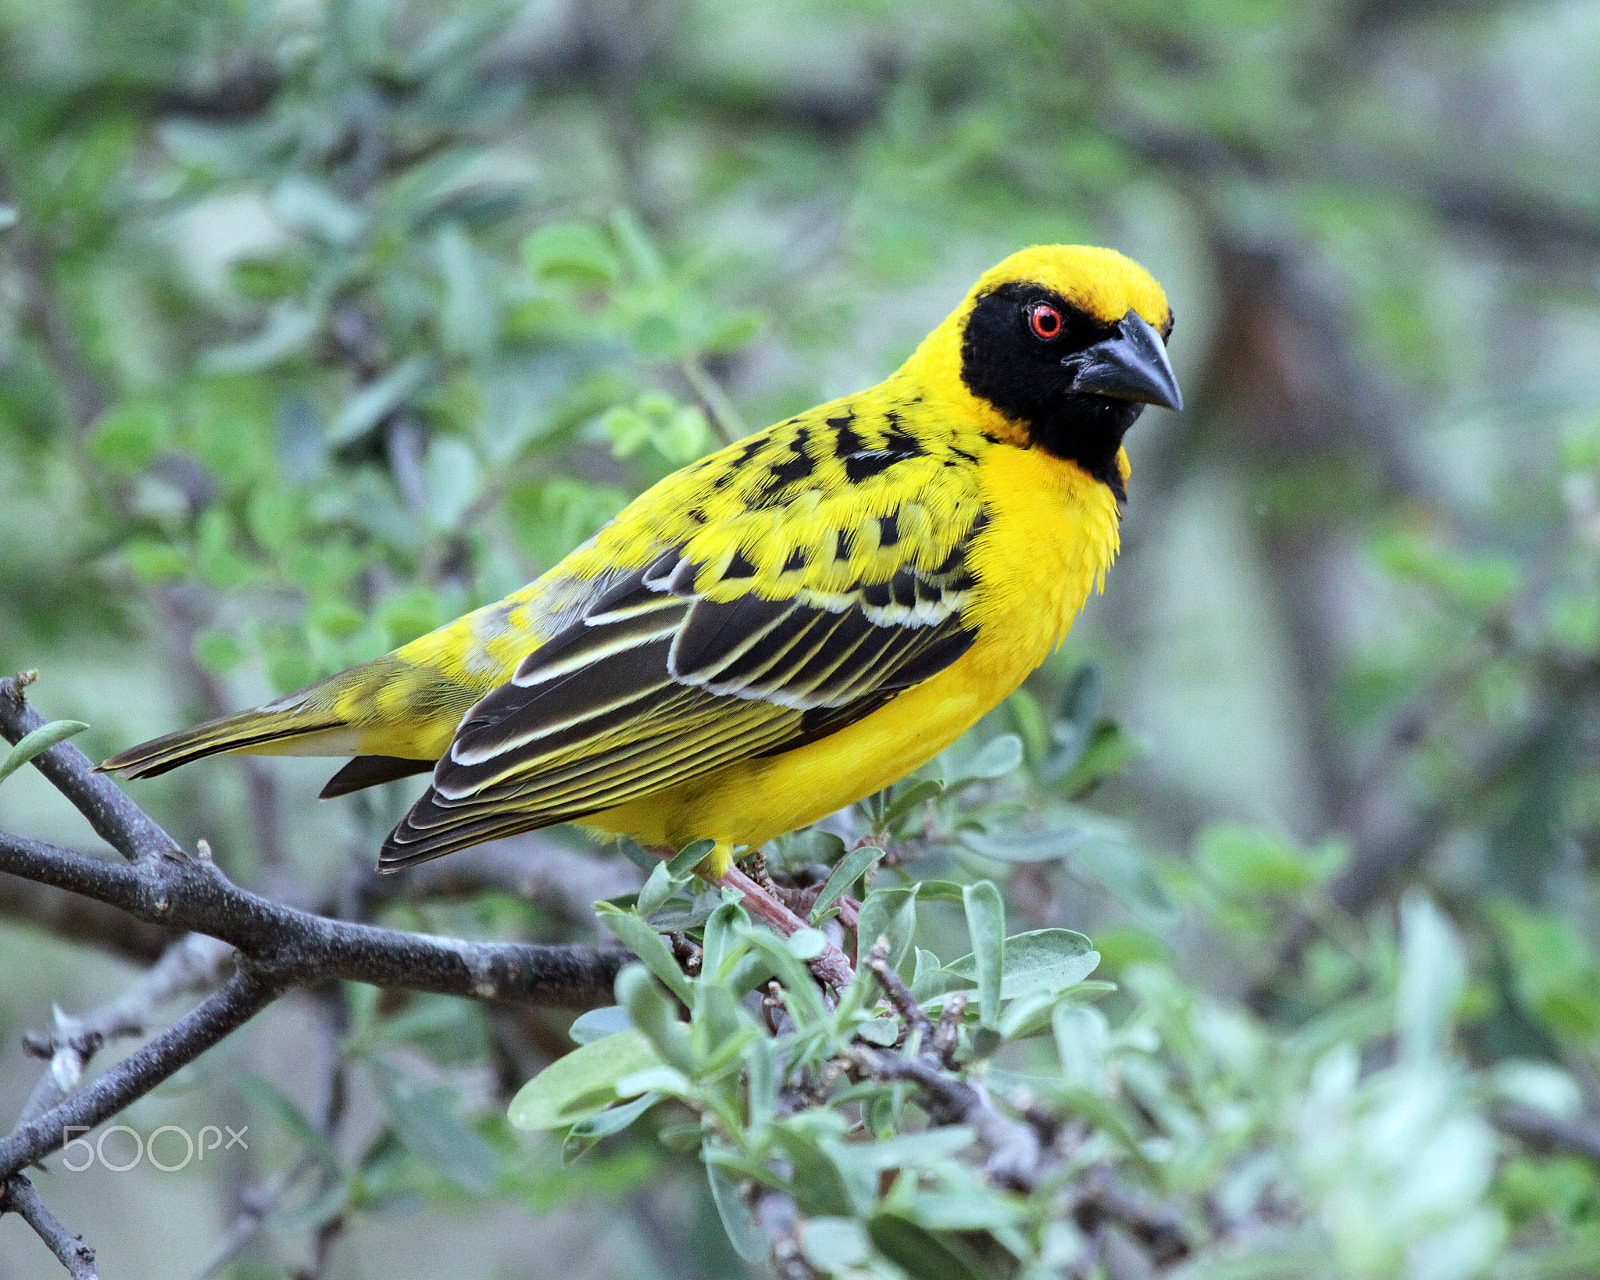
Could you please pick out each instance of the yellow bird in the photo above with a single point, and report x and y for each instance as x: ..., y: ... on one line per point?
x: 787, y: 625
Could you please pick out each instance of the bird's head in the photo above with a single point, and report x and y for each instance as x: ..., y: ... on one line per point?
x: 1062, y: 346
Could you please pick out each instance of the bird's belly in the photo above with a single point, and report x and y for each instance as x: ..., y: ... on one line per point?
x: 1050, y: 537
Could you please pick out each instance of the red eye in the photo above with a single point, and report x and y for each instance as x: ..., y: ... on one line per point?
x: 1044, y: 319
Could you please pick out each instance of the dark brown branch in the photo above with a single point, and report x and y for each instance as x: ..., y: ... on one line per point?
x: 82, y: 920
x: 894, y: 986
x: 116, y: 819
x: 18, y: 1196
x: 196, y: 896
x: 1016, y: 1157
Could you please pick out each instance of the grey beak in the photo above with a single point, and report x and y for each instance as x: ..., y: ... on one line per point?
x: 1131, y: 366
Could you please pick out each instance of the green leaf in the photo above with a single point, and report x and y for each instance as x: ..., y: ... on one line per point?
x: 1433, y: 976
x: 997, y: 759
x: 37, y: 743
x: 1245, y: 861
x: 595, y: 1024
x: 910, y: 1150
x: 889, y: 913
x: 217, y: 651
x: 986, y: 924
x: 573, y: 251
x: 452, y: 480
x: 807, y: 944
x: 155, y: 561
x: 1049, y: 960
x: 641, y: 939
x: 924, y: 1255
x: 744, y: 1233
x: 581, y: 1083
x: 264, y: 1095
x: 918, y: 792
x: 613, y: 1119
x: 1082, y: 1036
x: 654, y: 1014
x: 1124, y: 873
x: 819, y: 1186
x: 831, y: 1244
x: 378, y: 399
x: 690, y: 856
x: 1106, y: 752
x: 854, y: 865
x: 722, y: 941
x: 424, y: 1118
x: 931, y: 979
x: 1031, y: 846
x: 129, y: 436
x: 657, y: 888
x: 790, y: 972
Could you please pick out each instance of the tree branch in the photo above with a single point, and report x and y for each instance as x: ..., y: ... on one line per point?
x: 1546, y: 1133
x: 82, y: 920
x: 116, y: 819
x: 18, y: 1196
x: 243, y: 996
x: 194, y: 963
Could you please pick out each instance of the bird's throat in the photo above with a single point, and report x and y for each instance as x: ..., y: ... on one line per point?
x: 1087, y: 430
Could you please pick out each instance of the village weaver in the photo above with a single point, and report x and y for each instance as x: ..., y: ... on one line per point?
x: 785, y: 626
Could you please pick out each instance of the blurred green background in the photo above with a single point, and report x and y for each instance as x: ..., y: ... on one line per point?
x: 323, y: 321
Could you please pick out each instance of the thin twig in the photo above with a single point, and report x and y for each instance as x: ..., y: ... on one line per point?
x: 894, y: 986
x: 242, y: 997
x: 1016, y: 1157
x: 18, y: 1196
x: 832, y: 966
x: 730, y: 425
x: 194, y: 963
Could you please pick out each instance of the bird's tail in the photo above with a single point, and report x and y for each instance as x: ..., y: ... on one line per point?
x: 273, y: 729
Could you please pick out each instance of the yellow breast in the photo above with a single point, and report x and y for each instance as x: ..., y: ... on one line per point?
x: 1050, y: 536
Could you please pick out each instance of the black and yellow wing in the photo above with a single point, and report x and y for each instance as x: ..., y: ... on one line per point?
x: 665, y: 676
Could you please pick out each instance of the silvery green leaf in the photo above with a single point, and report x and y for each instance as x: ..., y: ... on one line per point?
x: 595, y: 1023
x: 878, y: 1031
x: 452, y: 479
x: 653, y: 1012
x: 831, y: 1243
x: 424, y: 1118
x: 889, y: 913
x: 1043, y: 960
x: 808, y: 944
x: 986, y: 925
x: 1082, y: 1036
x: 288, y: 329
x: 1123, y: 872
x: 581, y: 1083
x: 642, y: 939
x: 851, y: 868
x: 657, y: 888
x: 998, y: 758
x: 1433, y: 974
x: 690, y: 856
x: 744, y: 1233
